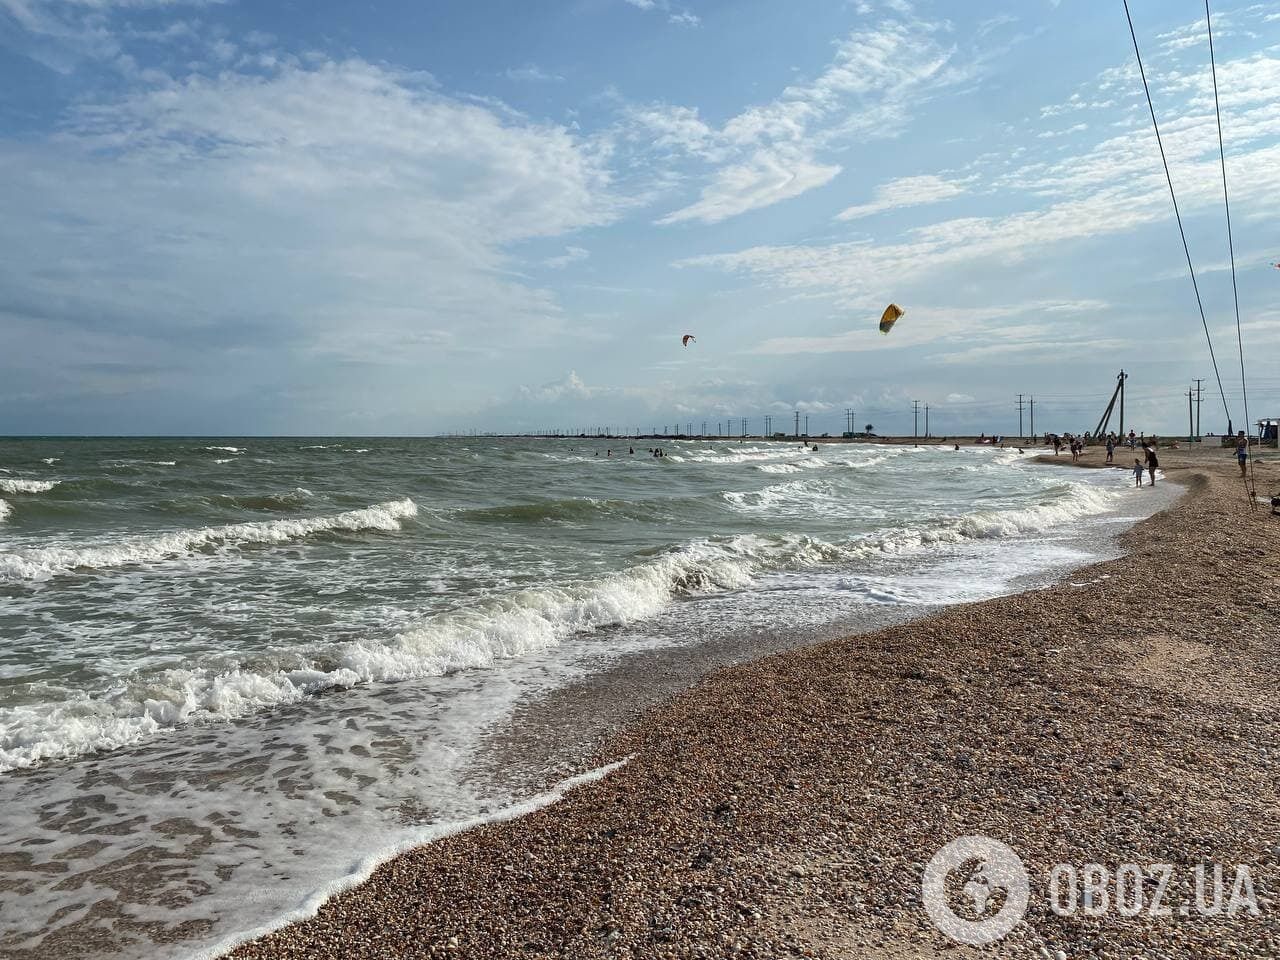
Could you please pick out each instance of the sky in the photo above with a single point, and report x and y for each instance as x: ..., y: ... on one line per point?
x: 394, y: 217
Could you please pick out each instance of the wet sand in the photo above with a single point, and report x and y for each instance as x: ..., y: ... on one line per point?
x: 785, y: 807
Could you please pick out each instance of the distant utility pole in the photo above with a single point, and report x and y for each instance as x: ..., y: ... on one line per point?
x: 768, y: 425
x: 1199, y: 399
x: 806, y: 424
x: 848, y: 418
x: 1020, y: 433
x: 797, y: 423
x: 704, y: 428
x: 926, y: 421
x: 1033, y: 418
x: 744, y: 426
x: 915, y: 408
x: 1191, y: 417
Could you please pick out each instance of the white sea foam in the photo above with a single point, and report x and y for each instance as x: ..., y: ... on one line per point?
x: 5, y: 509
x: 18, y: 485
x: 223, y: 459
x: 418, y: 838
x: 479, y: 635
x: 45, y: 562
x: 51, y: 460
x: 226, y: 449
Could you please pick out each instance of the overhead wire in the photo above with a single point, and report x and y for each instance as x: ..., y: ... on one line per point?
x: 1235, y: 292
x: 1176, y: 212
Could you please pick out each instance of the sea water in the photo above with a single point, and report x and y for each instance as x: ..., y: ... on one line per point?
x: 235, y: 672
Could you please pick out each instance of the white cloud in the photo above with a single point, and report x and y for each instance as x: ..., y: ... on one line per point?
x: 532, y: 73
x: 933, y: 325
x: 570, y: 255
x: 344, y: 207
x: 771, y: 152
x: 905, y: 192
x: 766, y: 178
x: 685, y: 19
x: 1074, y: 128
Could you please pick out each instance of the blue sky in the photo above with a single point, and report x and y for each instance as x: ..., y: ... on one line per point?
x: 396, y: 217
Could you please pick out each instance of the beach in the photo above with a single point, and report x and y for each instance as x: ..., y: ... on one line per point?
x: 785, y: 807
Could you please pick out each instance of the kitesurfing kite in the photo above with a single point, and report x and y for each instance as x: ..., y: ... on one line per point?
x: 687, y: 339
x: 890, y: 316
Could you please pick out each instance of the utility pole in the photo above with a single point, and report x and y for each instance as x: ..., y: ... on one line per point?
x: 1033, y: 418
x: 797, y: 424
x: 1123, y: 377
x: 915, y: 408
x: 926, y: 421
x: 768, y: 425
x: 806, y: 424
x: 744, y: 426
x: 1199, y: 399
x: 704, y: 428
x: 1191, y: 419
x: 1020, y: 433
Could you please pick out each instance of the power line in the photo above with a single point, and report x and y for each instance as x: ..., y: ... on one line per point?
x: 1226, y: 204
x: 1177, y: 214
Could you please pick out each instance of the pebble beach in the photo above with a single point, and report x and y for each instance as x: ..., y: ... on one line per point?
x: 786, y: 807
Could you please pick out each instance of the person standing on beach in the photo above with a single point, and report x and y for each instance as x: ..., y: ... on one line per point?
x: 1242, y: 452
x: 1152, y: 462
x: 1111, y: 450
x: 1137, y: 472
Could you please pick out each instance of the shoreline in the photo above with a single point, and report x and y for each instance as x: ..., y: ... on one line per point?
x: 784, y: 806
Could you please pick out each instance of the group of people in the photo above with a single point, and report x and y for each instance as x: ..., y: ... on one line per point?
x: 1070, y: 440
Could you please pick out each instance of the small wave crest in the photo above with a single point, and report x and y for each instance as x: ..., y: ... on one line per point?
x: 45, y: 562
x: 5, y: 509
x: 19, y: 485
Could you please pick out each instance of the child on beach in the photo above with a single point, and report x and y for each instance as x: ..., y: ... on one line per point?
x: 1137, y: 473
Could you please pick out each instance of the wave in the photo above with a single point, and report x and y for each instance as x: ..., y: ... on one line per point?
x: 51, y: 460
x: 226, y: 449
x: 5, y: 509
x: 9, y: 485
x: 564, y: 511
x: 501, y: 628
x: 271, y: 501
x: 778, y: 468
x: 478, y: 635
x: 45, y: 562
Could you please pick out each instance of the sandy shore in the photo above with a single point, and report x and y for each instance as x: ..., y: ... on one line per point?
x: 786, y: 807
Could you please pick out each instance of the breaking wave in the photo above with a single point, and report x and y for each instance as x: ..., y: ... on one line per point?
x: 45, y: 562
x: 478, y: 635
x: 18, y: 485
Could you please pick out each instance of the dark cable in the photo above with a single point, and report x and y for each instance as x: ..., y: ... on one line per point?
x: 1172, y: 196
x: 1226, y: 202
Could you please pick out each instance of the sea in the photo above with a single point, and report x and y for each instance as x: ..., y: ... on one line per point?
x: 237, y: 673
